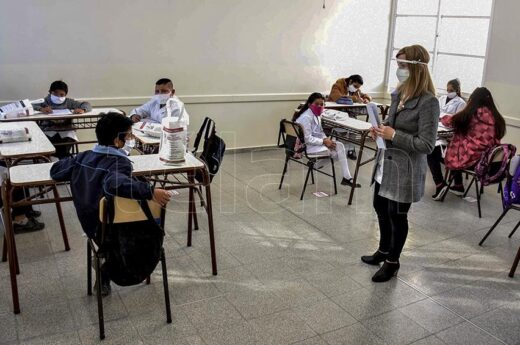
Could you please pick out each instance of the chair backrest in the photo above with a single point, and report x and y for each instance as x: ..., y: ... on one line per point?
x: 493, y: 164
x: 128, y: 210
x: 291, y: 137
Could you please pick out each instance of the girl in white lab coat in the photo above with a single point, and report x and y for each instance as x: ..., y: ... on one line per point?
x: 450, y: 104
x: 309, y: 117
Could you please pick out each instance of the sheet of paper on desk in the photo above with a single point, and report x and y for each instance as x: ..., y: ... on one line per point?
x: 373, y: 118
x: 61, y: 112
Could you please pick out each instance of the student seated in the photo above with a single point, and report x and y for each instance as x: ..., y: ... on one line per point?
x: 154, y: 110
x: 450, y: 104
x: 349, y: 87
x: 477, y: 127
x: 315, y: 139
x: 57, y: 99
x: 104, y: 171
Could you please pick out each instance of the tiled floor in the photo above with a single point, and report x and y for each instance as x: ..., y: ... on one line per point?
x: 289, y: 273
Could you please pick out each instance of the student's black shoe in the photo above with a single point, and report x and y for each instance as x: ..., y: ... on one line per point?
x: 33, y: 214
x: 439, y: 192
x: 386, y: 272
x: 349, y: 182
x: 31, y: 226
x: 457, y: 190
x: 351, y: 154
x: 106, y: 289
x: 374, y: 259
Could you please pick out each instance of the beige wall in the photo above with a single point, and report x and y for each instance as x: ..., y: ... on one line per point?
x: 245, y: 63
x: 502, y: 74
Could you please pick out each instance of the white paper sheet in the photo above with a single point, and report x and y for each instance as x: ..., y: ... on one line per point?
x: 61, y: 112
x: 373, y: 118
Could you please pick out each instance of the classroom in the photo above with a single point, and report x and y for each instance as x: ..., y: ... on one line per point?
x: 304, y: 172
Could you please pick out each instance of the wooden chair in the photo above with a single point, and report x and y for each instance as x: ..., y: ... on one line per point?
x: 290, y: 132
x: 125, y: 211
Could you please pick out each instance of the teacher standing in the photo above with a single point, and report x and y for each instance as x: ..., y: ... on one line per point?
x: 399, y: 175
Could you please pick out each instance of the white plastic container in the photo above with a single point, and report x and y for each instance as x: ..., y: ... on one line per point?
x: 172, y: 149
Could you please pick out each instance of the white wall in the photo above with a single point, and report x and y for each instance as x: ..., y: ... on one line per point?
x: 246, y: 63
x: 502, y: 74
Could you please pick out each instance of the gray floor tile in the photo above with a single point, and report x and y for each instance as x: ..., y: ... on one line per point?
x: 281, y: 328
x: 465, y: 333
x: 69, y: 338
x: 154, y: 323
x: 356, y: 334
x: 256, y: 302
x: 49, y: 317
x: 311, y: 341
x: 503, y: 322
x: 7, y: 327
x: 296, y: 292
x: 431, y: 315
x: 431, y: 340
x: 334, y: 282
x: 212, y: 313
x: 116, y: 332
x: 85, y: 309
x: 324, y: 316
x: 396, y: 328
x: 363, y: 304
x: 241, y: 333
x: 397, y: 292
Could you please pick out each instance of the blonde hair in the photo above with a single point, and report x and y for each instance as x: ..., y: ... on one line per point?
x: 420, y: 81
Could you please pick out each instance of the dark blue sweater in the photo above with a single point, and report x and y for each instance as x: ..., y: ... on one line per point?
x: 93, y: 175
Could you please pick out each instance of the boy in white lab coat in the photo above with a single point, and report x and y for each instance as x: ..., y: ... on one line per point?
x: 154, y: 110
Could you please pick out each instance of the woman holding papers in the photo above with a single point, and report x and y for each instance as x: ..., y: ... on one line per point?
x: 309, y: 117
x: 400, y: 170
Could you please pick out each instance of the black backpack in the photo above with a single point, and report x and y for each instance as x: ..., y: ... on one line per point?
x: 213, y: 150
x: 132, y: 249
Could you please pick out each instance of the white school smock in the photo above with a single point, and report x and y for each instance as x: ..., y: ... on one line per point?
x: 312, y: 131
x: 447, y: 109
x: 151, y: 111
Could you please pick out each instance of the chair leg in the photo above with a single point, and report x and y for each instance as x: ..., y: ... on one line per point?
x: 89, y: 269
x: 165, y: 286
x: 494, y: 226
x: 148, y: 280
x: 477, y: 190
x: 306, y: 180
x: 515, y: 264
x: 4, y: 250
x: 283, y: 172
x: 334, y: 176
x: 450, y: 181
x: 514, y: 230
x: 312, y: 176
x: 469, y: 187
x: 101, y: 318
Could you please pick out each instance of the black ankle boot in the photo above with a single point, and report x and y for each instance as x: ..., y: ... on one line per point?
x: 386, y: 272
x: 374, y: 259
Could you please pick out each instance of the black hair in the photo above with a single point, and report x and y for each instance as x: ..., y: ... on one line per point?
x: 164, y: 81
x: 59, y: 85
x: 481, y: 97
x: 354, y: 78
x: 110, y: 126
x: 314, y: 96
x: 455, y: 84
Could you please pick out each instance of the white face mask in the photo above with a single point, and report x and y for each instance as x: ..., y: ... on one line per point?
x: 162, y: 97
x: 402, y: 74
x: 129, y: 145
x: 451, y: 94
x: 352, y: 88
x: 57, y: 100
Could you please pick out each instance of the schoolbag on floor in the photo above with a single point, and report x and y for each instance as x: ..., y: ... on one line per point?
x: 489, y: 172
x: 132, y: 249
x: 213, y: 149
x: 512, y: 186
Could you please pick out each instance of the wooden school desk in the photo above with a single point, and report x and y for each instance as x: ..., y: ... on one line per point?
x: 148, y: 166
x: 145, y: 144
x: 356, y: 109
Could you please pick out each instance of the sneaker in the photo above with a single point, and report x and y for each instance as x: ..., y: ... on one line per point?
x: 439, y: 192
x: 351, y: 154
x: 33, y: 214
x: 349, y: 182
x: 457, y: 190
x: 31, y: 225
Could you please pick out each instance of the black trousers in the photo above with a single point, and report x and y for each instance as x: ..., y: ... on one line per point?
x: 434, y: 163
x: 393, y: 224
x: 62, y: 151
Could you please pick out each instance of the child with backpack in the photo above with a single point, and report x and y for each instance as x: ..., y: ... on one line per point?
x: 477, y: 128
x: 104, y: 171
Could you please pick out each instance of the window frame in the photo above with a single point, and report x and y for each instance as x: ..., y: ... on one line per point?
x: 435, y: 53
